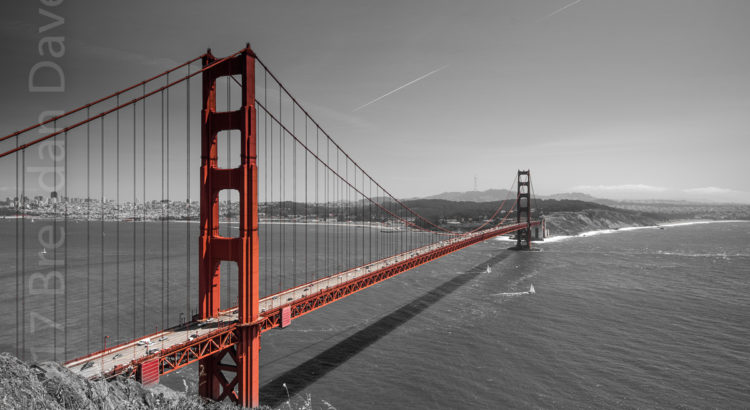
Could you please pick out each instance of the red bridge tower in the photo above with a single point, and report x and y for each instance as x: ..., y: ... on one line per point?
x: 523, y: 210
x: 242, y: 250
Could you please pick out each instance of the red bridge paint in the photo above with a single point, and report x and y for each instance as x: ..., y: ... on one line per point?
x: 148, y: 373
x: 286, y: 316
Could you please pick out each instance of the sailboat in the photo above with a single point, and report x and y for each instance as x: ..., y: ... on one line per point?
x: 489, y: 270
x: 531, y: 289
x: 43, y: 251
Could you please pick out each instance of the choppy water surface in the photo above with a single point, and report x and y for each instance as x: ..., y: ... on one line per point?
x: 646, y: 318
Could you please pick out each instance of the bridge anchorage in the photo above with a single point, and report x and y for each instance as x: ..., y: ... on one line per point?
x: 345, y: 229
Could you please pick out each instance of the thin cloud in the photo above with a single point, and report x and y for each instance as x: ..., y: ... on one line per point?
x: 399, y: 88
x: 711, y: 190
x: 717, y: 194
x: 560, y: 10
x: 624, y: 187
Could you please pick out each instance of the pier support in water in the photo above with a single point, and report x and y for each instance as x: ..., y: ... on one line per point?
x: 539, y: 232
x: 243, y: 250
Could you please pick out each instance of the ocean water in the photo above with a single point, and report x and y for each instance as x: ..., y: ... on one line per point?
x: 652, y: 318
x: 643, y: 318
x: 127, y: 280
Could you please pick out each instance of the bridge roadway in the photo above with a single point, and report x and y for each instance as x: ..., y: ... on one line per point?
x: 181, y: 345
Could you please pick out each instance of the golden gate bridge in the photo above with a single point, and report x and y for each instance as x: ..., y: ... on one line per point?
x: 108, y: 252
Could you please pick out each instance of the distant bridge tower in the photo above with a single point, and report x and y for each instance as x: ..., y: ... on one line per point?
x: 523, y: 210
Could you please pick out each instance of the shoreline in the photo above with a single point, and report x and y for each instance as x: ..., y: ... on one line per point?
x: 672, y: 224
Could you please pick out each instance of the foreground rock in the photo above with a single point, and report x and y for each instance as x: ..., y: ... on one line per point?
x: 50, y: 386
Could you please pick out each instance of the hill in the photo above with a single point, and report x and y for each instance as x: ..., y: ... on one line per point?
x: 489, y: 195
x: 564, y: 216
x: 492, y: 195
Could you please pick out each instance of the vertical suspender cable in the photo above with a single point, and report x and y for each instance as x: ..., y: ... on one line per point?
x: 340, y: 209
x: 405, y: 244
x: 317, y: 204
x: 393, y: 235
x: 134, y: 223
x: 270, y: 213
x: 363, y: 219
x: 352, y: 216
x: 101, y: 229
x: 161, y: 93
x: 380, y: 223
x: 65, y: 261
x: 339, y: 212
x: 143, y: 222
x: 352, y: 242
x: 54, y: 238
x: 266, y: 159
x: 117, y: 218
x: 294, y: 199
x: 330, y: 229
x: 188, y: 294
x: 351, y: 238
x: 264, y: 231
x: 381, y: 220
x: 22, y: 202
x: 19, y: 315
x: 369, y: 219
x: 348, y: 216
x: 306, y: 204
x: 331, y: 199
x: 88, y: 232
x: 326, y: 235
x: 341, y: 233
x: 281, y: 195
x: 168, y: 207
x: 358, y: 261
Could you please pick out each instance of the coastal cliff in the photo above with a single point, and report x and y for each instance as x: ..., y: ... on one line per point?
x: 576, y: 222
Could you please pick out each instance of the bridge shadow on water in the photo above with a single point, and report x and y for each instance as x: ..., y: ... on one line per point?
x: 299, y: 378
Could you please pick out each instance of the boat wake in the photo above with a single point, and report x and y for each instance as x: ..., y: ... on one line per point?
x: 531, y: 291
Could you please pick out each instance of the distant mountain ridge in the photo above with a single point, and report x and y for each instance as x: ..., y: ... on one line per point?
x: 490, y: 195
x: 494, y: 195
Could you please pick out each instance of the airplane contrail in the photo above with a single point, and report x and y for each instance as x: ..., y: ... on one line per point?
x: 559, y: 10
x: 399, y: 88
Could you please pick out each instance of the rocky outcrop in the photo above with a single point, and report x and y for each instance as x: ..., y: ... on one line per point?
x: 51, y: 386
